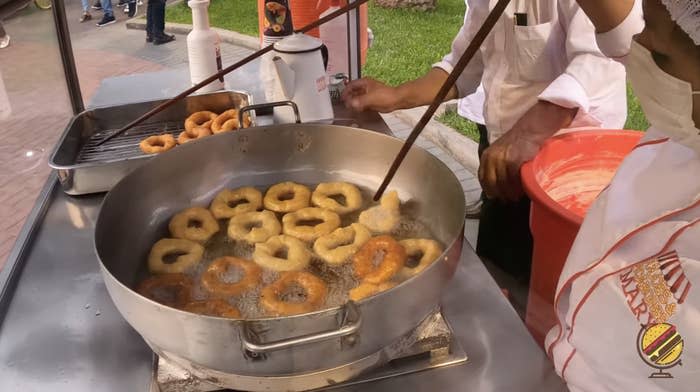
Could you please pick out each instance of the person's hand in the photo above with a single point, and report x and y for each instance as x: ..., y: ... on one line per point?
x: 369, y: 94
x: 499, y: 170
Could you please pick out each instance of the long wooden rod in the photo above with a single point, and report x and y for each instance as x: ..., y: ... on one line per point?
x: 227, y: 70
x: 473, y: 47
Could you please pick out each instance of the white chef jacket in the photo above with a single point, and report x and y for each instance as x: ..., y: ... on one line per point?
x: 555, y: 58
x: 628, y: 299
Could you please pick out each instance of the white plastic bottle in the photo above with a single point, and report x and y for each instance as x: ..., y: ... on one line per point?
x: 334, y: 35
x: 203, y: 47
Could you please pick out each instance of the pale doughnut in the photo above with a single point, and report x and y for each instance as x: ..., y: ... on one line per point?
x: 190, y: 253
x: 226, y: 121
x: 300, y: 196
x: 329, y: 247
x: 298, y: 257
x: 364, y: 290
x: 429, y: 250
x: 242, y: 227
x: 290, y: 223
x: 385, y: 217
x: 323, y: 192
x: 192, y: 134
x: 221, y: 205
x: 206, y: 226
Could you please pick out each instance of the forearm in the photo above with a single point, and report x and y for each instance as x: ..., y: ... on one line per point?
x: 422, y: 91
x: 542, y: 121
x: 606, y: 14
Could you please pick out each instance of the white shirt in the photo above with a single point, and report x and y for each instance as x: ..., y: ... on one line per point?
x: 555, y: 58
x: 628, y: 299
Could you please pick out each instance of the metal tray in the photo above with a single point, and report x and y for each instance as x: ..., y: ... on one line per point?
x: 83, y: 167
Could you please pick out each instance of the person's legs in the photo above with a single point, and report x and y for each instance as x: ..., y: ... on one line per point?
x: 158, y: 22
x: 86, y: 11
x: 108, y: 17
x: 4, y: 37
x: 504, y: 230
x: 150, y: 12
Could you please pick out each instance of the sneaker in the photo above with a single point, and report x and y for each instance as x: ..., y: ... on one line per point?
x: 5, y: 41
x: 97, y: 5
x: 131, y: 9
x: 85, y: 16
x: 106, y: 20
x: 149, y: 38
x: 163, y: 39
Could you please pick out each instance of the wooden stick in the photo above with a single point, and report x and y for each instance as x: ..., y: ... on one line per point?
x: 471, y: 50
x: 227, y: 70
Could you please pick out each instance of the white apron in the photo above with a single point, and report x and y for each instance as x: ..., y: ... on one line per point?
x: 628, y: 300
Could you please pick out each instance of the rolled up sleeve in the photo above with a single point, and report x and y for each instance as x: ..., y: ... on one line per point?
x: 590, y: 78
x: 616, y: 43
x: 469, y: 80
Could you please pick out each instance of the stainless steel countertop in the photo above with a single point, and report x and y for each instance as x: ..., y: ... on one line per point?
x: 60, y: 331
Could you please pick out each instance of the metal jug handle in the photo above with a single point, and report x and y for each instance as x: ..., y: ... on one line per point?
x: 350, y: 324
x: 324, y: 56
x: 269, y: 105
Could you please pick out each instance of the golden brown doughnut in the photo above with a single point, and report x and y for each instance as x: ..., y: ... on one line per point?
x: 157, y: 143
x: 266, y: 254
x: 429, y: 250
x: 254, y: 226
x: 228, y: 202
x: 281, y: 298
x: 329, y: 247
x: 385, y: 217
x: 392, y: 258
x: 292, y: 223
x: 199, y: 119
x: 364, y: 290
x: 189, y: 253
x: 212, y: 307
x: 226, y: 121
x: 213, y: 278
x: 287, y: 197
x: 192, y: 134
x: 167, y: 289
x: 194, y: 224
x: 323, y: 192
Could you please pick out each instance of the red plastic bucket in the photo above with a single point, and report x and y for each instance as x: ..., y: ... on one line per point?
x: 563, y: 181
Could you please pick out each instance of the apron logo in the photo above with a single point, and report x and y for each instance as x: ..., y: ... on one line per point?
x: 654, y: 289
x: 660, y: 346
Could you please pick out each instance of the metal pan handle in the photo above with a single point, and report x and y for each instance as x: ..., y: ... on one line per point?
x: 269, y: 105
x: 350, y: 324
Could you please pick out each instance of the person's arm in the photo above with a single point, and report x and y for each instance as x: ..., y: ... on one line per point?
x: 606, y: 14
x: 370, y: 94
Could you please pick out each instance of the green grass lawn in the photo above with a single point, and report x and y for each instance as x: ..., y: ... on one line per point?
x: 234, y: 15
x: 406, y: 44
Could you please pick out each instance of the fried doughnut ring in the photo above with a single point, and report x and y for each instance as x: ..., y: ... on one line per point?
x: 298, y: 257
x: 246, y: 199
x: 393, y: 259
x: 226, y: 121
x: 189, y: 254
x: 192, y: 134
x: 384, y: 217
x: 243, y: 227
x: 364, y: 290
x: 157, y: 143
x: 205, y: 224
x: 291, y: 223
x: 178, y: 286
x: 213, y: 282
x: 330, y: 247
x: 428, y: 249
x: 212, y: 307
x: 272, y: 296
x: 322, y: 197
x: 300, y: 197
x: 199, y: 119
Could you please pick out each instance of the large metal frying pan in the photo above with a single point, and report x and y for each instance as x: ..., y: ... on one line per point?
x: 135, y: 214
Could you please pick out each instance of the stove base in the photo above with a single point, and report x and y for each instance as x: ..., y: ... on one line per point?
x: 430, y: 346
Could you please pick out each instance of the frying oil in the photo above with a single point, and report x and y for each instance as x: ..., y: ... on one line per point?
x: 338, y: 278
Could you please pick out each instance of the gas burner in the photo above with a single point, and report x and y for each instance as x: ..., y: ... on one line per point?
x: 429, y: 346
